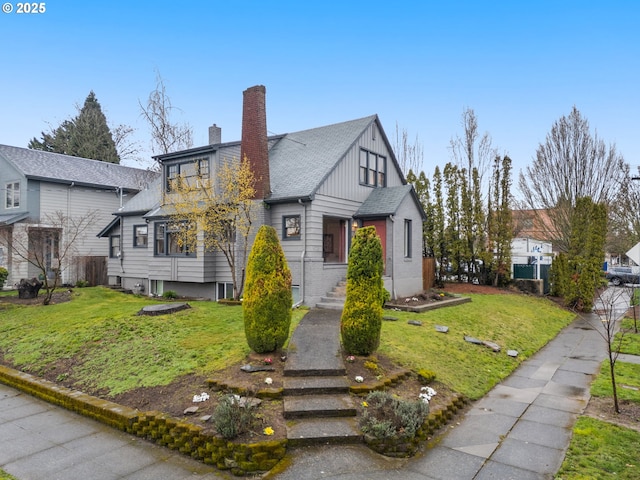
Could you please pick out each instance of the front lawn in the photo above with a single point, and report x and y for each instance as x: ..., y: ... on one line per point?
x: 99, y: 340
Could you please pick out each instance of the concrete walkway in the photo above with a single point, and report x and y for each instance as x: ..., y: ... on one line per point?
x: 519, y: 430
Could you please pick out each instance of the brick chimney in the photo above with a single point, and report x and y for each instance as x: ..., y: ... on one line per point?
x: 254, y: 138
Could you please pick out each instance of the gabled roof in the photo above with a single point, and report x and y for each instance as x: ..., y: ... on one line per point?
x: 54, y: 167
x: 300, y: 161
x: 383, y: 202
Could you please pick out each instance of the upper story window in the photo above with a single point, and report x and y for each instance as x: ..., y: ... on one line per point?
x: 13, y: 195
x: 190, y: 172
x: 373, y: 168
x: 140, y: 236
x: 291, y: 227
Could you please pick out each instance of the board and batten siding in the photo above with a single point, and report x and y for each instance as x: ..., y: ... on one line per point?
x: 344, y: 180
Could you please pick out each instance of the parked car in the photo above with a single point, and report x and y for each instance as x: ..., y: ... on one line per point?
x: 619, y: 275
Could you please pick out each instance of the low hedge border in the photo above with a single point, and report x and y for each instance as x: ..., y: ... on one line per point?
x: 391, y: 380
x: 189, y: 439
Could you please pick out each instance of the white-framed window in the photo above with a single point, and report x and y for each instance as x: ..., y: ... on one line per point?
x: 291, y: 229
x: 225, y: 291
x: 140, y: 236
x: 114, y: 246
x: 373, y: 168
x: 13, y: 195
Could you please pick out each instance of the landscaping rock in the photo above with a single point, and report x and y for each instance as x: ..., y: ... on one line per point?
x: 442, y: 329
x: 473, y: 340
x: 493, y: 346
x: 417, y: 323
x: 190, y: 410
x: 390, y: 319
x: 163, y: 309
x: 256, y: 368
x: 512, y: 353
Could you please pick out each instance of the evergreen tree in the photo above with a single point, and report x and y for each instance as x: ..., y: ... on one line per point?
x: 91, y: 136
x: 87, y: 135
x: 361, y: 319
x: 267, y: 302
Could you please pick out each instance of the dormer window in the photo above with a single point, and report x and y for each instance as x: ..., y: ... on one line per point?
x: 191, y: 172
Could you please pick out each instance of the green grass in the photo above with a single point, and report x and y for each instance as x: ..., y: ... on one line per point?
x: 116, y: 350
x: 600, y: 450
x: 630, y: 340
x: 515, y: 322
x: 5, y: 476
x: 627, y: 382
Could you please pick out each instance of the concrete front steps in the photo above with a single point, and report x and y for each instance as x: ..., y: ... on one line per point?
x: 319, y: 409
x: 334, y: 300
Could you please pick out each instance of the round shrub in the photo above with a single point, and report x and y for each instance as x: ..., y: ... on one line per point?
x: 361, y: 319
x: 4, y: 274
x: 267, y: 301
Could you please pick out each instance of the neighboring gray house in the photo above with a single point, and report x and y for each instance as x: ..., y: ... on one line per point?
x: 38, y: 185
x: 318, y: 186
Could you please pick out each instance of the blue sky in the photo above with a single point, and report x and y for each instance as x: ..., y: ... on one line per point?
x: 418, y: 64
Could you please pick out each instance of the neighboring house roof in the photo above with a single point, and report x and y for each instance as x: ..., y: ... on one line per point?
x: 54, y: 167
x: 144, y: 201
x: 383, y: 202
x: 12, y: 218
x: 300, y: 161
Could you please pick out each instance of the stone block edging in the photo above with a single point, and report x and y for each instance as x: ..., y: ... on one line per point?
x: 189, y: 439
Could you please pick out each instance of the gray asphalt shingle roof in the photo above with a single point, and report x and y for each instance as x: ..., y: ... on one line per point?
x: 300, y: 161
x: 383, y: 201
x: 66, y: 169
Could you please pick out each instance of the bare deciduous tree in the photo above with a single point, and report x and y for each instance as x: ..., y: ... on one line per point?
x: 48, y: 246
x: 410, y: 156
x: 166, y: 135
x: 572, y: 163
x: 611, y: 305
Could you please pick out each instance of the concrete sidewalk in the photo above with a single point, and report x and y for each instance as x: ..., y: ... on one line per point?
x: 42, y: 441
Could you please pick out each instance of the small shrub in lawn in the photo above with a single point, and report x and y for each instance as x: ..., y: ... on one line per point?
x: 82, y: 284
x: 232, y: 418
x: 4, y: 274
x: 426, y: 376
x: 170, y: 295
x: 371, y: 366
x: 387, y: 416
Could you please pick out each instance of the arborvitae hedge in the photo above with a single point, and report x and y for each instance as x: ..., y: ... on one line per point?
x: 361, y: 320
x: 267, y: 299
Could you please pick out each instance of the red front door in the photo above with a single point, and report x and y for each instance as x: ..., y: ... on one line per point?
x: 381, y: 230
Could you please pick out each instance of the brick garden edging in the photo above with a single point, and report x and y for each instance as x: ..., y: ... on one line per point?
x: 160, y: 428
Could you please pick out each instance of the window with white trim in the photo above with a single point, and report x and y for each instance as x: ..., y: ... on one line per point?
x: 13, y: 195
x: 140, y: 236
x: 291, y: 227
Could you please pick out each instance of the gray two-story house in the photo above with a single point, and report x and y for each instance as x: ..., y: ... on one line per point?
x: 44, y: 192
x: 315, y: 187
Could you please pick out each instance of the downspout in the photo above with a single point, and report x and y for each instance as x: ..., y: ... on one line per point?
x: 393, y: 258
x: 302, y: 255
x: 121, y: 256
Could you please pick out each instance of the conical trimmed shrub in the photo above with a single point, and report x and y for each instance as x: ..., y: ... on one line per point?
x: 267, y: 301
x: 361, y: 320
